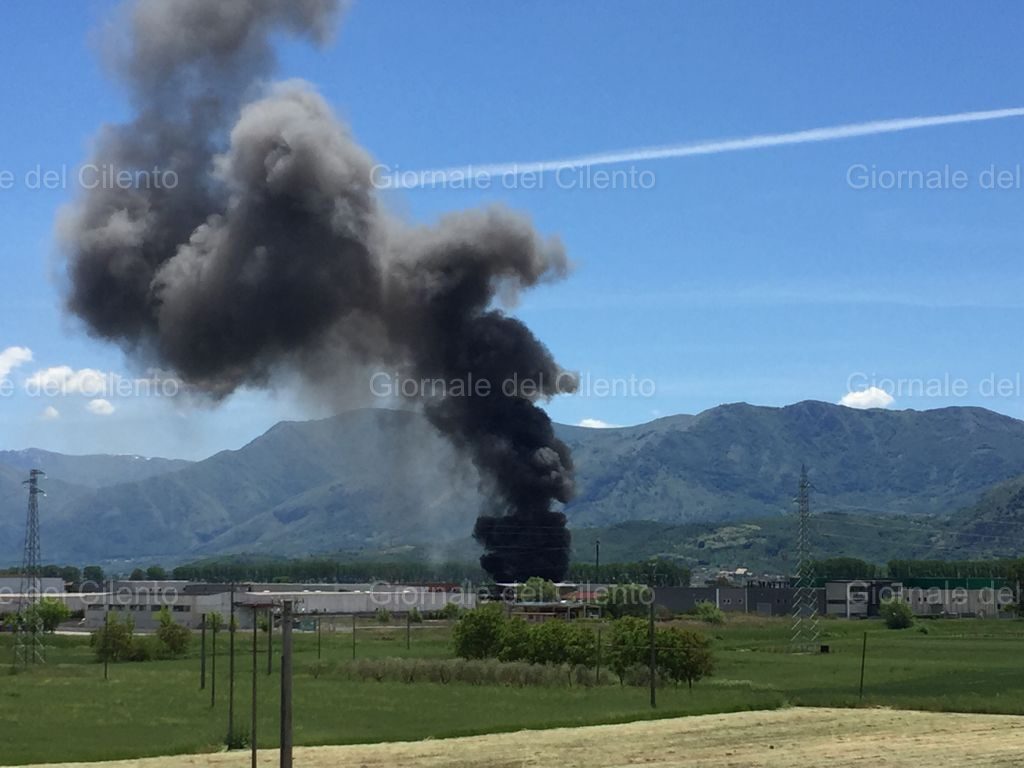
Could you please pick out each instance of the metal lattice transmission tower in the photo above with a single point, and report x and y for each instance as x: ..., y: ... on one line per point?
x: 805, y: 602
x: 28, y: 647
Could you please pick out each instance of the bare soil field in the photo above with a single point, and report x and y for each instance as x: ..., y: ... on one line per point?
x: 791, y: 738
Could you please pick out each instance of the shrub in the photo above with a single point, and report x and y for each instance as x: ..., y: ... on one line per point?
x: 239, y: 738
x: 708, y: 613
x: 479, y: 633
x: 897, y: 614
x: 173, y: 638
x: 415, y: 617
x: 548, y: 643
x: 450, y: 611
x: 142, y: 649
x: 383, y: 616
x: 113, y: 641
x: 515, y: 640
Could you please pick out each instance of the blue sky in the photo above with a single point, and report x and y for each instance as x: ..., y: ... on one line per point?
x: 759, y: 276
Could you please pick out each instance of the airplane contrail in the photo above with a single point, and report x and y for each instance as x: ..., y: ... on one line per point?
x: 463, y: 173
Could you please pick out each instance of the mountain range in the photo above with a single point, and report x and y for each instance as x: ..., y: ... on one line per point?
x: 713, y: 487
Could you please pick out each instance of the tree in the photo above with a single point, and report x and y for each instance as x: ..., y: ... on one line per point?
x: 137, y: 575
x: 70, y: 574
x: 173, y: 637
x: 896, y: 614
x: 113, y: 641
x: 93, y: 575
x: 51, y: 612
x: 156, y: 573
x: 214, y: 623
x: 845, y: 568
x: 628, y: 645
x: 580, y: 645
x: 478, y: 633
x: 515, y: 640
x: 683, y: 655
x: 538, y: 590
x: 548, y: 643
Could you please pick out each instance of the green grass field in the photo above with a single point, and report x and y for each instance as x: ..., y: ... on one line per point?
x: 66, y: 711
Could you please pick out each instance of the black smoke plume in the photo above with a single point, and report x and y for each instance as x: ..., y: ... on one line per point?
x: 271, y: 253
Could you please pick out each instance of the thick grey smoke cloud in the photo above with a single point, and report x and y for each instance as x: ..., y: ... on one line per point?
x: 272, y: 253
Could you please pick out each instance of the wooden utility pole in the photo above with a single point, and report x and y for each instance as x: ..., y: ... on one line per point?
x: 654, y: 658
x: 255, y: 638
x: 863, y: 659
x: 286, y: 684
x: 202, y: 653
x: 213, y: 666
x: 106, y: 642
x: 231, y: 670
x: 270, y: 641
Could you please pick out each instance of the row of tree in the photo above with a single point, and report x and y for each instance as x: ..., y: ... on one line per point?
x: 658, y: 572
x: 43, y: 616
x: 855, y: 568
x: 488, y: 633
x: 70, y: 574
x: 1006, y: 568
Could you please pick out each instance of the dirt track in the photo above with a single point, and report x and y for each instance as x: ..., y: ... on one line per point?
x: 793, y: 738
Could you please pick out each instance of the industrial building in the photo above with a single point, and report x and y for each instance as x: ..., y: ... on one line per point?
x: 935, y: 597
x: 763, y: 599
x: 189, y: 601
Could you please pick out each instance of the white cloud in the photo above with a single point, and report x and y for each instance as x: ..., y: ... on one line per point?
x: 872, y: 397
x: 100, y: 407
x: 50, y: 413
x: 595, y: 424
x: 65, y: 380
x: 11, y: 358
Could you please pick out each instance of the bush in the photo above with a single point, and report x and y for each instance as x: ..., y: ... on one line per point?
x: 479, y: 633
x: 450, y: 611
x: 239, y: 738
x: 415, y: 617
x: 383, y: 616
x: 173, y: 638
x: 142, y: 649
x: 708, y: 613
x: 897, y: 614
x: 515, y: 640
x: 113, y: 641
